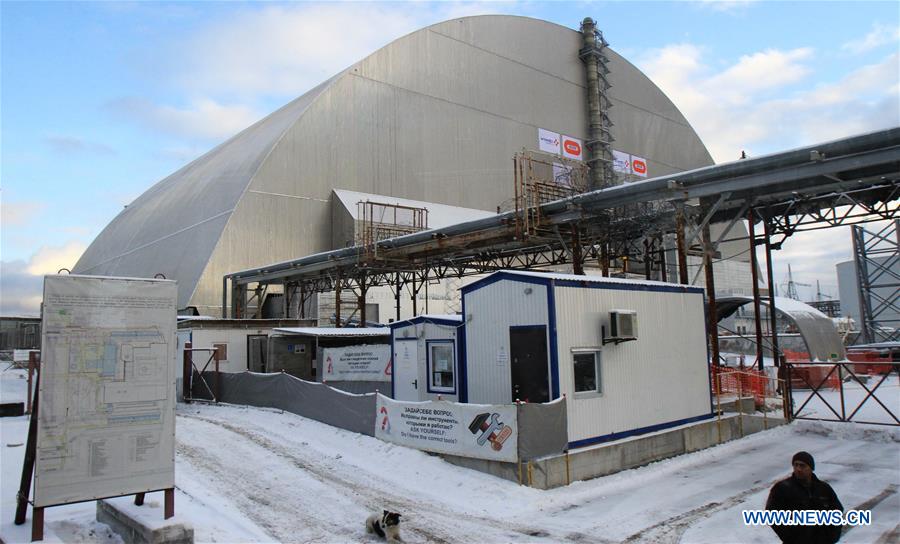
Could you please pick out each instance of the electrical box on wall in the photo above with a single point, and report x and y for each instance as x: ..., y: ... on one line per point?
x: 622, y: 326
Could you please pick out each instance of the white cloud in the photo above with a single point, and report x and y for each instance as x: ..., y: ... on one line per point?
x: 204, y: 118
x: 18, y: 214
x: 770, y: 69
x: 50, y: 259
x: 21, y: 290
x: 286, y: 50
x: 879, y: 35
x: 766, y: 101
x: 728, y: 6
x: 70, y: 145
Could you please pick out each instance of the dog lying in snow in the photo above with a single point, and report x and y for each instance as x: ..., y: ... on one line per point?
x: 386, y: 525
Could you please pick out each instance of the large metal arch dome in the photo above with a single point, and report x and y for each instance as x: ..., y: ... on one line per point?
x: 434, y: 116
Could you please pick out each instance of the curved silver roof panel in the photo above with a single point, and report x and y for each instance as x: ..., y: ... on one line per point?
x: 817, y: 329
x: 434, y: 116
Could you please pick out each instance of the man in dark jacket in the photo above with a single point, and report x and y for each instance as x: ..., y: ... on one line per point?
x: 803, y: 491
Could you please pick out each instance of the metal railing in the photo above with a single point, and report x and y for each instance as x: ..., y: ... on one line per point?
x: 840, y: 374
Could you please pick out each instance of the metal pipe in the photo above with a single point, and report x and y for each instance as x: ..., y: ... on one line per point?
x: 657, y: 187
x: 590, y: 55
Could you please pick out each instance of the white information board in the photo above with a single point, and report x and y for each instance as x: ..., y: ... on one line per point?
x: 106, y: 424
x: 482, y: 431
x: 357, y: 363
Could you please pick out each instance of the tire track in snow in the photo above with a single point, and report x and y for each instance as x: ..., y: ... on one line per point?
x: 432, y: 523
x: 671, y: 529
x: 247, y: 490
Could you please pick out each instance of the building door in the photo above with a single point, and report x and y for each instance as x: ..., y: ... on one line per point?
x: 528, y: 363
x: 406, y: 369
x: 257, y: 347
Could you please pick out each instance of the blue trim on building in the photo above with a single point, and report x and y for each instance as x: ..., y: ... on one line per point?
x: 675, y: 288
x: 420, y: 319
x: 463, y: 348
x: 635, y: 432
x: 428, y: 343
x: 500, y: 276
x: 597, y: 283
x: 554, y: 344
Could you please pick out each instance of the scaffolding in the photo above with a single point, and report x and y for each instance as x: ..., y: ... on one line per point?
x: 876, y: 255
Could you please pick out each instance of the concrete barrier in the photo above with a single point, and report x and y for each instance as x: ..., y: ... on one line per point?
x: 611, y: 457
x: 142, y: 524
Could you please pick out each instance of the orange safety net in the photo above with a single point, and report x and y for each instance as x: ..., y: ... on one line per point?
x: 743, y: 382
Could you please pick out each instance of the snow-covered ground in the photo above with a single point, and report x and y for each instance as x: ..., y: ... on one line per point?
x: 256, y: 475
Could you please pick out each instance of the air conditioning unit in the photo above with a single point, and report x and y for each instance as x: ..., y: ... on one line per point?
x: 622, y: 326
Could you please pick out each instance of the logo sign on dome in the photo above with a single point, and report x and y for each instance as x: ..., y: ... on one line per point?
x: 571, y: 148
x: 639, y: 166
x: 548, y: 141
x: 621, y: 162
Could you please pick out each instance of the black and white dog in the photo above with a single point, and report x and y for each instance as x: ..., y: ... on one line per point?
x: 386, y: 525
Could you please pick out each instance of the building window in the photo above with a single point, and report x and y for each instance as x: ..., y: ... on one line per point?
x: 441, y: 367
x: 586, y: 369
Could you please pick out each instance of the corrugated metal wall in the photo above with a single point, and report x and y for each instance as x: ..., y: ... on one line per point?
x: 490, y: 312
x: 434, y: 116
x: 660, y: 377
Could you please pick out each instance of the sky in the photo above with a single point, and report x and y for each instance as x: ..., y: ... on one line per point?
x: 100, y: 100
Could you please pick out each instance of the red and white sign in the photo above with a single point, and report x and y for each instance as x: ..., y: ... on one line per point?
x: 639, y: 166
x: 571, y: 148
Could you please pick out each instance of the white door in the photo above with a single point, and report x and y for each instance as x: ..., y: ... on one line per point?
x: 406, y: 369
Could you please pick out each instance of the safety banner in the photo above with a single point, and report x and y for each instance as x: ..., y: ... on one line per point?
x: 367, y: 363
x: 482, y: 431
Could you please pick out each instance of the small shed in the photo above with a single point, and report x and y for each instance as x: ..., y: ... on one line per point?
x: 356, y: 360
x: 425, y: 358
x: 629, y: 356
x: 242, y: 343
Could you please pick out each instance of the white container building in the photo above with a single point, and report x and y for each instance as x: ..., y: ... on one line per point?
x: 629, y: 356
x: 426, y: 358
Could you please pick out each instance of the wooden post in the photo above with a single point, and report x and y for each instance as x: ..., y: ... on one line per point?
x: 216, y: 375
x: 139, y: 499
x: 28, y: 464
x: 169, y: 502
x: 37, y: 524
x: 187, y: 374
x: 32, y: 366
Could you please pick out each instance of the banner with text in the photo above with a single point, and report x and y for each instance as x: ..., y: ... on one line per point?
x: 482, y: 431
x: 369, y: 363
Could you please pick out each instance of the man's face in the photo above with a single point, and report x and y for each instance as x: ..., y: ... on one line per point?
x: 802, y: 471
